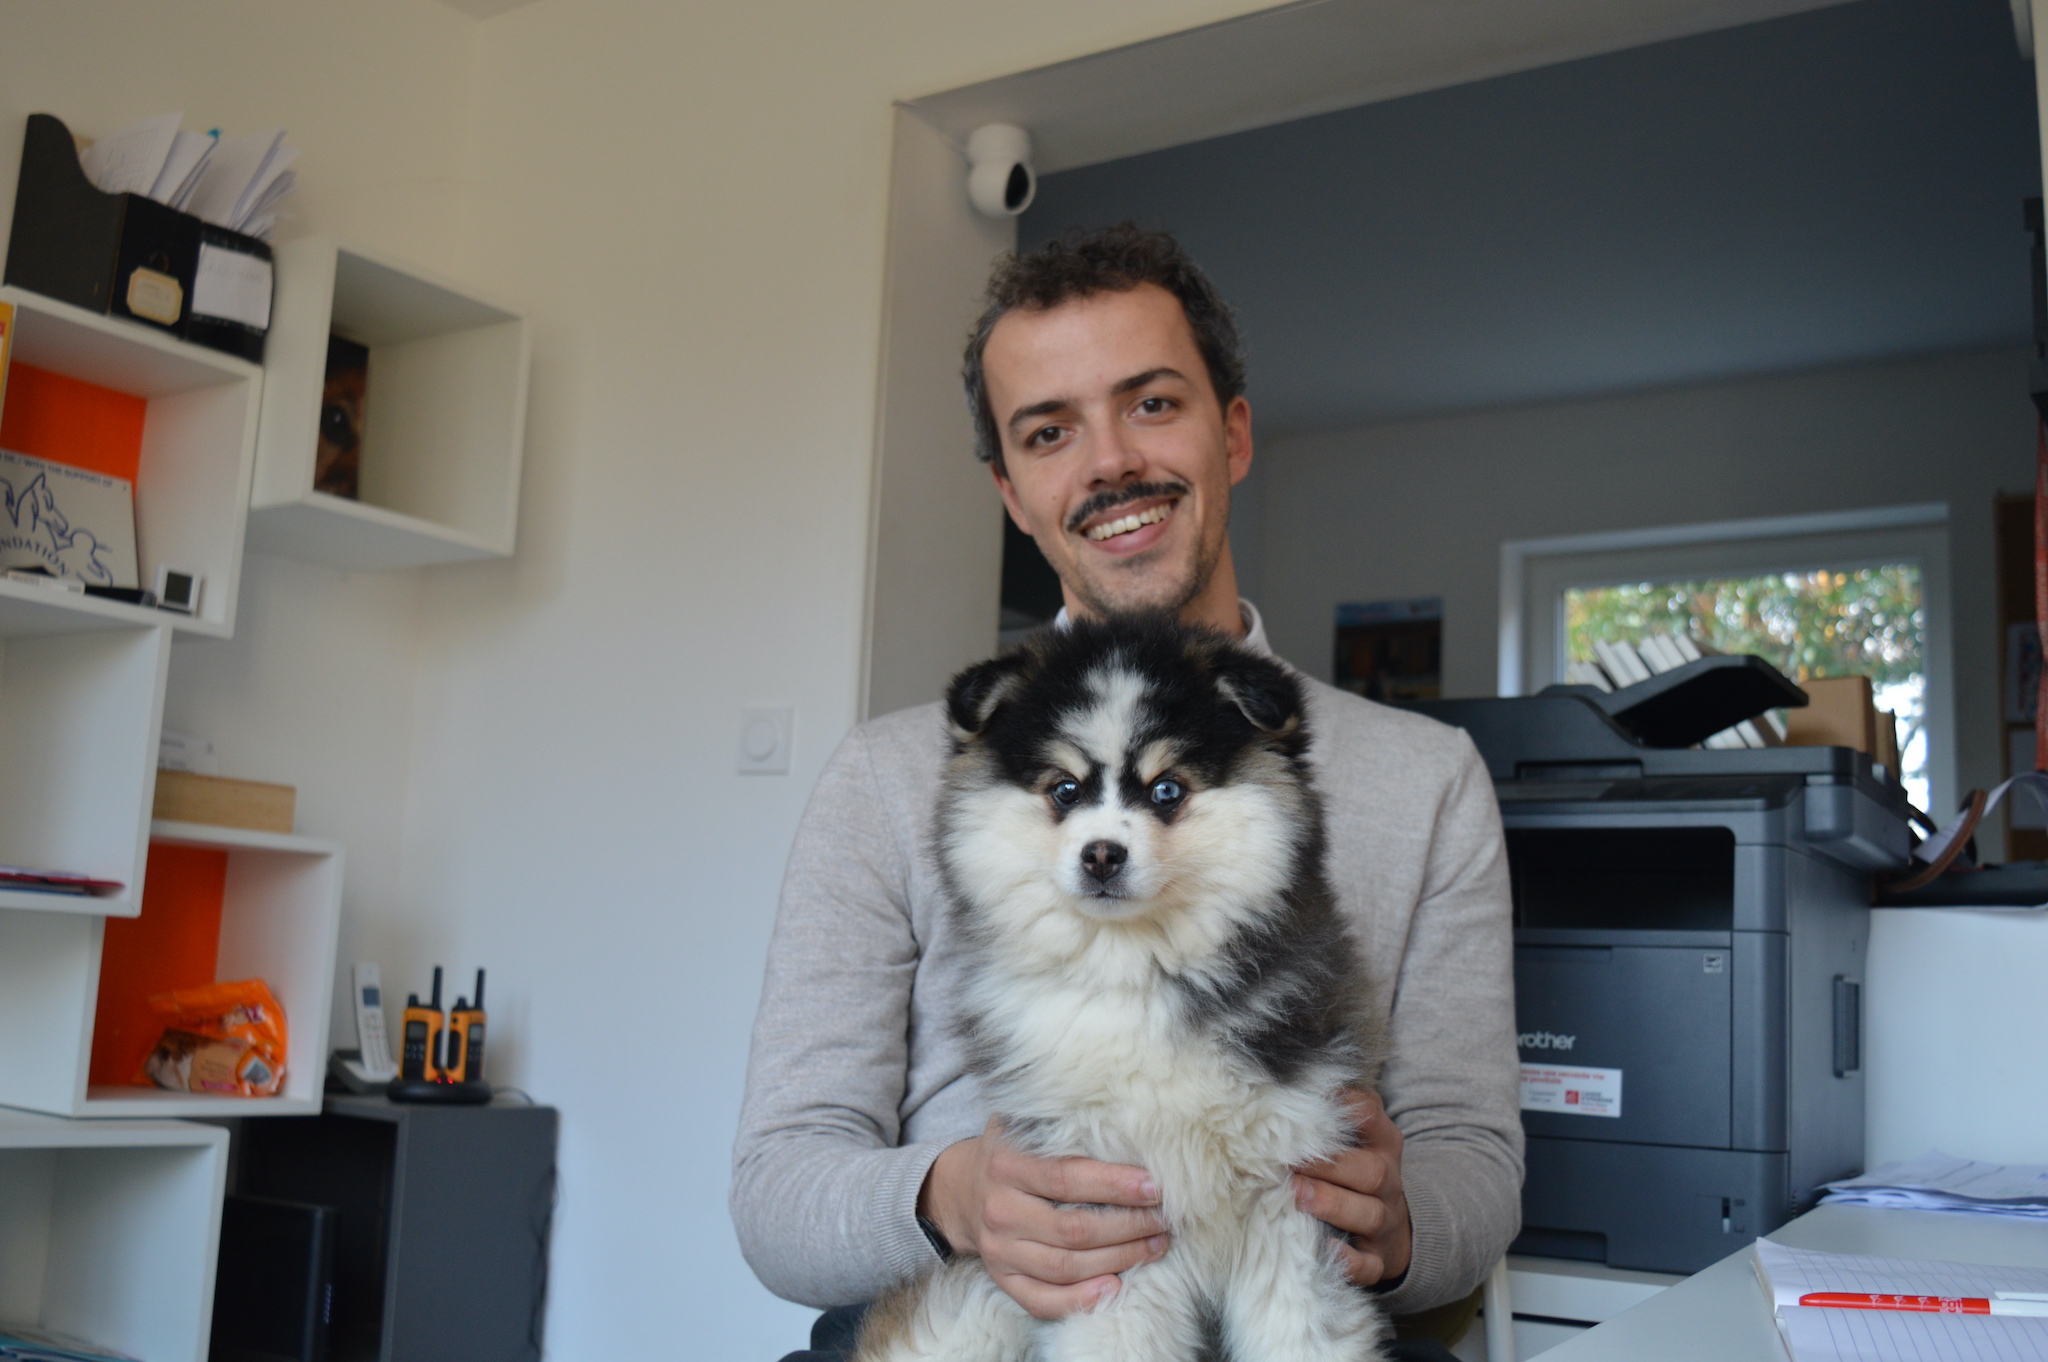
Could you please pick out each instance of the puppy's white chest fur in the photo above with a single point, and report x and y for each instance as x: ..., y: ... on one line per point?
x: 1118, y: 1075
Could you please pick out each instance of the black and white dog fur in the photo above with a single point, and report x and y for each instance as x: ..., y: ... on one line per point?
x: 1159, y: 976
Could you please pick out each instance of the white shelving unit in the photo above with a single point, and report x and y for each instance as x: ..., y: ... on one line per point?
x: 79, y: 718
x: 198, y: 456
x: 444, y: 427
x: 280, y: 921
x: 109, y: 1230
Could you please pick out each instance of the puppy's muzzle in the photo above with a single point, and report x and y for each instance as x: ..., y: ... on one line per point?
x: 1104, y: 861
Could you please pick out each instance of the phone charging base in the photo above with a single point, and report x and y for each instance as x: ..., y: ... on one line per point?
x: 471, y: 1094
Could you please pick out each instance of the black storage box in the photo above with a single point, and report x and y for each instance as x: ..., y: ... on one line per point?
x: 273, y: 1295
x: 124, y: 255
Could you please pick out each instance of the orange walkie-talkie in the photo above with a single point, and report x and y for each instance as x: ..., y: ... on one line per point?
x: 419, y: 1054
x: 466, y: 1038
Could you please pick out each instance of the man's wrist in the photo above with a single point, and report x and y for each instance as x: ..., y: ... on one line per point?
x: 936, y: 1212
x: 936, y: 1238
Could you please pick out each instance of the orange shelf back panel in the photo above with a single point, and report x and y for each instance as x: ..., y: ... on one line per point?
x: 175, y: 943
x: 69, y: 421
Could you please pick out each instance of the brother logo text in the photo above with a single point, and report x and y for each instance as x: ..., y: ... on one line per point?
x: 1543, y: 1040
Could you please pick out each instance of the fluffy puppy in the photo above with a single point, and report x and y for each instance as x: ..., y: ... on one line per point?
x: 1158, y: 976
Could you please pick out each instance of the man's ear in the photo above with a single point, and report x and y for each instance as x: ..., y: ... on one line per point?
x: 1237, y: 438
x: 1262, y: 690
x: 1008, y: 492
x: 979, y: 691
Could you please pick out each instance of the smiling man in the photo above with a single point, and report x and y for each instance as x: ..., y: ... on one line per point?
x: 1107, y: 388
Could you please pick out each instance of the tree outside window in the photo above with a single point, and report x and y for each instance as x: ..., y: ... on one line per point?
x: 1827, y: 622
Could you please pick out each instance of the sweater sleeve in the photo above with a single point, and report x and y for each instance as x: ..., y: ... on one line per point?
x: 1452, y: 1081
x: 823, y: 1198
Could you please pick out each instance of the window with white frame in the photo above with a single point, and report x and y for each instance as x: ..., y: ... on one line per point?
x: 1854, y: 593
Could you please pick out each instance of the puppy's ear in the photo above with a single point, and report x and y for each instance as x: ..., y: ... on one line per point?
x: 1263, y: 692
x: 976, y: 693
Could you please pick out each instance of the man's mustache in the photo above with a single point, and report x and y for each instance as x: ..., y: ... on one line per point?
x: 1109, y: 498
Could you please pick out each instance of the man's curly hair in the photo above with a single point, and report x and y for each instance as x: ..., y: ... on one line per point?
x: 1084, y: 263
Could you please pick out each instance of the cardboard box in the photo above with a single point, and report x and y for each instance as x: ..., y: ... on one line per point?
x: 184, y: 797
x: 1843, y: 713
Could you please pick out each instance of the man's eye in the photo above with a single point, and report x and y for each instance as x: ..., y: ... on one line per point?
x: 1066, y: 792
x: 1167, y: 793
x: 1044, y: 435
x: 1155, y: 406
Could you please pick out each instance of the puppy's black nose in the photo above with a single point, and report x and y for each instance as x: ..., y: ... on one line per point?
x: 1103, y: 860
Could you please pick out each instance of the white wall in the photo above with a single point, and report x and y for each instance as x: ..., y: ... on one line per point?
x: 936, y: 558
x: 1955, y: 1005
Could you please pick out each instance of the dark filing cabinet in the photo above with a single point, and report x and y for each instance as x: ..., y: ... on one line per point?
x: 1690, y: 929
x: 442, y: 1221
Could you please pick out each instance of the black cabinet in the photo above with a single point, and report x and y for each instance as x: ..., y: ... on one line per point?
x: 444, y: 1211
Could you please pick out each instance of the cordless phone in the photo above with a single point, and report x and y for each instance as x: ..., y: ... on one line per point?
x: 369, y: 1066
x: 370, y: 1037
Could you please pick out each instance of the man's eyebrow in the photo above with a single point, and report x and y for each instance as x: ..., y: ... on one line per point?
x: 1048, y: 407
x: 1150, y: 376
x: 1053, y: 405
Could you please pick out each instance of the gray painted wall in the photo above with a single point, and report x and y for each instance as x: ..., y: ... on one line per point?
x: 1421, y: 508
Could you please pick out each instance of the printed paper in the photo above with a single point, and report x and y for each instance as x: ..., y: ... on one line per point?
x: 66, y: 521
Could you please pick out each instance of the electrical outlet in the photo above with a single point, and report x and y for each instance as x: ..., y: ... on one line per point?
x: 766, y: 736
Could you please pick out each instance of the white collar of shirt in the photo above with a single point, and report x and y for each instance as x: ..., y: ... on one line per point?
x: 1254, y: 627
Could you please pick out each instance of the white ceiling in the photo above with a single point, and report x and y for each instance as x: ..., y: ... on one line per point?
x: 1303, y: 59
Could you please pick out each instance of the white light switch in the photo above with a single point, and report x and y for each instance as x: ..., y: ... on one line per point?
x: 766, y: 735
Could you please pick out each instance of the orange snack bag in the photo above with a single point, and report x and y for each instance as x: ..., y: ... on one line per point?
x: 221, y: 1038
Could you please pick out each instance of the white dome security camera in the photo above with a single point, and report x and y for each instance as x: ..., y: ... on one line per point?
x: 1000, y: 180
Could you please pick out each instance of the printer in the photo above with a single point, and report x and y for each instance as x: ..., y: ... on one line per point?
x: 1690, y: 928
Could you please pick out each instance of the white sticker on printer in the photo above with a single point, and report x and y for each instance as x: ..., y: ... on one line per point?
x: 1571, y: 1091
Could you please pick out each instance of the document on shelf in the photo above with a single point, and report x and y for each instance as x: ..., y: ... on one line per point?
x: 129, y: 161
x: 190, y: 152
x: 1943, y: 1182
x: 1820, y: 1334
x: 240, y: 183
x: 244, y: 176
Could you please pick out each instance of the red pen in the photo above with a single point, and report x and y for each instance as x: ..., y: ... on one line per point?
x: 1933, y: 1305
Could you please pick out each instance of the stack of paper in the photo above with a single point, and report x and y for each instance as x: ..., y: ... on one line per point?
x: 240, y: 183
x: 1942, y: 1182
x: 244, y: 183
x: 1825, y: 1334
x: 1621, y: 664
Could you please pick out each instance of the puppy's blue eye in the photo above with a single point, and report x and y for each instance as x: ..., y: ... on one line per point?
x: 1066, y: 792
x: 1166, y: 793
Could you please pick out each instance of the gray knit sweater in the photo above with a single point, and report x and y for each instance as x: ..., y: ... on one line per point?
x: 856, y: 1081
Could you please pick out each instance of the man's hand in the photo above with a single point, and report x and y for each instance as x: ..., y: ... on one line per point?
x: 988, y: 1199
x: 1359, y: 1192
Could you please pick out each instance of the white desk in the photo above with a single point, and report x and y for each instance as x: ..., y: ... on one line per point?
x: 1722, y: 1315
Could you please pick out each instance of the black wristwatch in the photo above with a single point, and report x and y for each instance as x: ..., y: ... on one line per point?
x: 938, y: 1241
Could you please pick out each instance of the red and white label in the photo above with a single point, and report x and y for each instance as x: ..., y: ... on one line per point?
x: 1571, y: 1091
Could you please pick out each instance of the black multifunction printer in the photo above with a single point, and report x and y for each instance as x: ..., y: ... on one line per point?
x: 1690, y: 927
